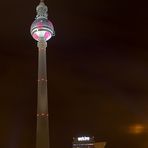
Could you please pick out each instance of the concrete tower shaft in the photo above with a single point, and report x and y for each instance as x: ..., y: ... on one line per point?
x: 42, y: 78
x: 42, y: 140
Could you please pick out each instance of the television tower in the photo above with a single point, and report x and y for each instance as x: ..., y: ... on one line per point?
x: 42, y: 30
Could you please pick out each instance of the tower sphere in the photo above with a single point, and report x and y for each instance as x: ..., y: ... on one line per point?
x: 42, y: 28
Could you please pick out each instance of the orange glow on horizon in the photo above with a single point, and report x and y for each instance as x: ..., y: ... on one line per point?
x: 136, y: 129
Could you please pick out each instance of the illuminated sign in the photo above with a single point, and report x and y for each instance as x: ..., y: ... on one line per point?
x: 83, y: 138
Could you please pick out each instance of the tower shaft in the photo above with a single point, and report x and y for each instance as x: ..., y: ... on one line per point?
x: 42, y: 139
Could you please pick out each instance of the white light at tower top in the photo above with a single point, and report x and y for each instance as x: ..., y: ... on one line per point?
x: 42, y: 28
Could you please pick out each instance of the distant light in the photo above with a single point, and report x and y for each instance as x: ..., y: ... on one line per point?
x: 137, y: 129
x: 83, y: 138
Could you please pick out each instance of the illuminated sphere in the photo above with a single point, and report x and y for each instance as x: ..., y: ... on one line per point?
x: 42, y: 28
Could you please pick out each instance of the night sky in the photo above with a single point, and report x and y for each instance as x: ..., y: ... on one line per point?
x: 97, y: 73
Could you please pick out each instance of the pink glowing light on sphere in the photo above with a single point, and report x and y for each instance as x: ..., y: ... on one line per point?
x: 35, y: 36
x: 47, y: 35
x: 40, y: 25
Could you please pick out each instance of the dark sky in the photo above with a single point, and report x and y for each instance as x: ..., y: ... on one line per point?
x: 97, y: 73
